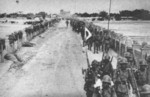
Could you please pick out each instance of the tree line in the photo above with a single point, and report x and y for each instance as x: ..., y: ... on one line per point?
x: 134, y: 15
x: 103, y: 15
x: 28, y: 15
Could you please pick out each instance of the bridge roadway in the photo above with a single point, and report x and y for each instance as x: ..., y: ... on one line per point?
x: 54, y: 67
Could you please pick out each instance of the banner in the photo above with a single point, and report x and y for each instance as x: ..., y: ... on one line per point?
x: 87, y: 34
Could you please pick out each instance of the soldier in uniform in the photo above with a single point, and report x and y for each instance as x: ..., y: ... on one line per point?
x: 106, y: 43
x: 89, y: 82
x: 129, y: 58
x: 106, y: 66
x: 122, y: 78
x: 90, y: 43
x: 107, y: 89
x: 100, y: 39
x: 94, y: 65
x: 82, y: 26
x: 96, y: 41
x: 99, y: 70
x: 141, y: 74
x: 148, y: 68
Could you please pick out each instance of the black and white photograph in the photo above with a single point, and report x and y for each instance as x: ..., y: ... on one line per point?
x: 74, y: 48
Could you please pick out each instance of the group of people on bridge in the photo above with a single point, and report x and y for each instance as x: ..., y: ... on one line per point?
x: 101, y: 79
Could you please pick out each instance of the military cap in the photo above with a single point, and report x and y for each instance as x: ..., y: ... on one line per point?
x: 145, y: 89
x: 94, y: 62
x: 107, y: 57
x: 107, y: 79
x: 123, y: 61
x: 127, y: 54
x: 129, y: 49
x: 142, y: 62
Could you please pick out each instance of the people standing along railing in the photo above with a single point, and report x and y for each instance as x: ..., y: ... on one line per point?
x: 116, y: 42
x: 127, y: 53
x: 2, y: 48
x: 15, y: 40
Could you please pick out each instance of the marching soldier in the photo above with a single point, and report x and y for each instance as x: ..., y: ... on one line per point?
x: 99, y: 70
x: 129, y: 58
x: 82, y: 26
x: 90, y: 43
x: 106, y: 43
x: 97, y: 41
x: 148, y: 68
x: 106, y: 66
x: 122, y: 78
x: 94, y: 65
x: 100, y: 40
x: 89, y: 82
x: 107, y: 89
x: 141, y: 74
x: 67, y: 23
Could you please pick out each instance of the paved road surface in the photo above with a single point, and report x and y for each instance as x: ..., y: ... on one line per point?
x: 53, y: 68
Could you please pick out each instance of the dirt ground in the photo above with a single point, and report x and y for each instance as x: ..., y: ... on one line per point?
x: 53, y: 68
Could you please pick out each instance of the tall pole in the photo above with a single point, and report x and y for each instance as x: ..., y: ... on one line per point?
x: 17, y: 4
x: 75, y: 6
x: 109, y: 14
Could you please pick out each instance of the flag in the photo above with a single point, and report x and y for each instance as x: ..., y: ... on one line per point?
x: 87, y: 34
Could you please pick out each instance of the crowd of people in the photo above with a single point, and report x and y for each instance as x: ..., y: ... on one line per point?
x: 100, y: 38
x: 101, y: 79
x: 29, y: 33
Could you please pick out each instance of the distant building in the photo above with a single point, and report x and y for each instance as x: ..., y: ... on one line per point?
x: 127, y: 18
x: 64, y: 14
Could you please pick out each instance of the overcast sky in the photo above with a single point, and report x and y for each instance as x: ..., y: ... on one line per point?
x: 54, y: 6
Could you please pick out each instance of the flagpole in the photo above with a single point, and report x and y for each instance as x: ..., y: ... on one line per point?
x: 109, y: 14
x: 75, y: 6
